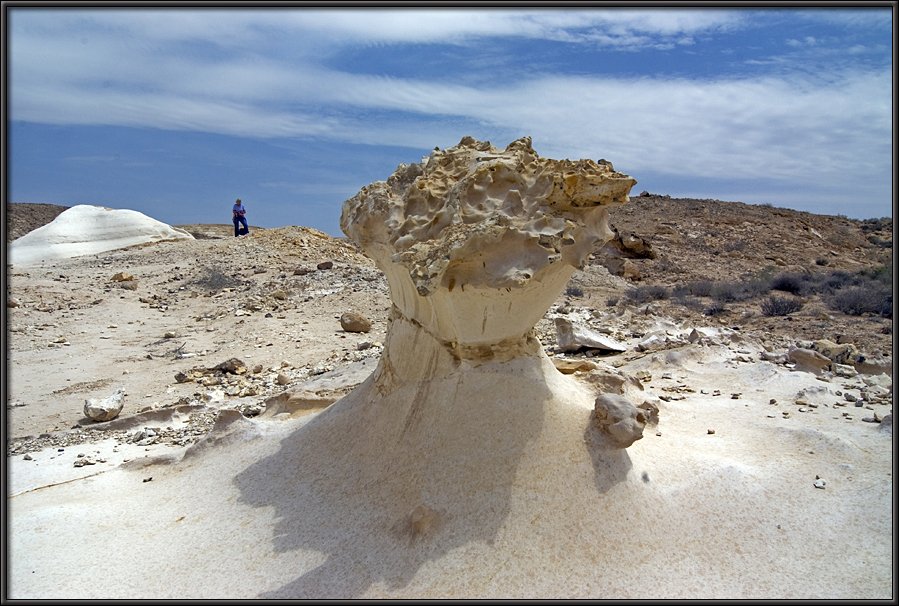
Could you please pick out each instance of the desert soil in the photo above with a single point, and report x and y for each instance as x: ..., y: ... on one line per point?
x: 167, y: 321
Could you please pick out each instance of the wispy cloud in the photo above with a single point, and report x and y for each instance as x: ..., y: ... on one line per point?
x: 266, y: 74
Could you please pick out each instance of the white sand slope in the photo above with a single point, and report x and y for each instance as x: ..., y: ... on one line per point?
x: 85, y: 229
x: 505, y: 494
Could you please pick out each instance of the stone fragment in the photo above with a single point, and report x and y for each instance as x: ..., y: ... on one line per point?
x: 282, y: 379
x: 840, y: 353
x: 325, y: 265
x: 568, y: 366
x: 571, y: 337
x: 105, y: 409
x: 233, y: 366
x: 651, y: 412
x: 807, y: 359
x: 844, y: 370
x: 619, y: 419
x: 122, y: 277
x: 354, y: 322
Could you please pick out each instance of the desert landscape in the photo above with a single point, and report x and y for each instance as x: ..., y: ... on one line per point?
x: 703, y: 408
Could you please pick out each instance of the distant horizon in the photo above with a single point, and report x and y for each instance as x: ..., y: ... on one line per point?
x: 340, y: 234
x: 177, y: 111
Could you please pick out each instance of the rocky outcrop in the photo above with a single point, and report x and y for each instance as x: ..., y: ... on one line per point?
x: 477, y: 242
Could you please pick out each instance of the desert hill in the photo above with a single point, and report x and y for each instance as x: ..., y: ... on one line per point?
x: 693, y: 259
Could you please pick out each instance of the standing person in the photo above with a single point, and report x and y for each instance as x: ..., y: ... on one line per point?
x: 240, y: 217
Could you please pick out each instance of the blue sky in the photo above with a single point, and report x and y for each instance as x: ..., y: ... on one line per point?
x: 175, y: 112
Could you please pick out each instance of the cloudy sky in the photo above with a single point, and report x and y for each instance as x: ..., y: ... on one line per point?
x: 175, y: 112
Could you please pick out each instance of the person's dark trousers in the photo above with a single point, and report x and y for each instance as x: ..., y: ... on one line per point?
x: 241, y: 221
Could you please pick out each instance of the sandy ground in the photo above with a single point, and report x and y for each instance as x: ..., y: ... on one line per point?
x: 716, y: 501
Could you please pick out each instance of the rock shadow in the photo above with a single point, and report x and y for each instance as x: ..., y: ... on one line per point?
x: 611, y: 463
x: 382, y: 484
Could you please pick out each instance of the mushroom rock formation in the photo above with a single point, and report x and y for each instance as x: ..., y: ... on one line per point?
x: 465, y: 466
x: 465, y: 428
x: 477, y: 243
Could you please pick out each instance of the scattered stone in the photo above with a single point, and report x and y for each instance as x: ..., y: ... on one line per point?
x: 234, y: 366
x: 122, y: 277
x: 13, y: 302
x: 325, y: 265
x: 651, y: 412
x: 28, y: 457
x: 105, y: 409
x: 844, y: 370
x: 839, y: 353
x: 567, y: 366
x: 807, y: 359
x: 710, y: 431
x: 354, y: 322
x: 572, y: 337
x: 820, y: 483
x: 619, y: 419
x: 282, y: 379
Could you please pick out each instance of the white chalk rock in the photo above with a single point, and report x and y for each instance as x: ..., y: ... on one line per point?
x: 575, y: 337
x: 85, y: 229
x: 105, y: 409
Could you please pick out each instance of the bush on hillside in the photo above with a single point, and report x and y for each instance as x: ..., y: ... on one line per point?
x: 780, y: 306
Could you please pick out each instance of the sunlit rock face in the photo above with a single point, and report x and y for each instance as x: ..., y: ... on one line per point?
x: 477, y: 242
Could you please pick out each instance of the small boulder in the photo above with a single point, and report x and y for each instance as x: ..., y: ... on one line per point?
x: 572, y: 337
x: 621, y: 421
x: 105, y: 409
x: 353, y: 322
x: 807, y: 359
